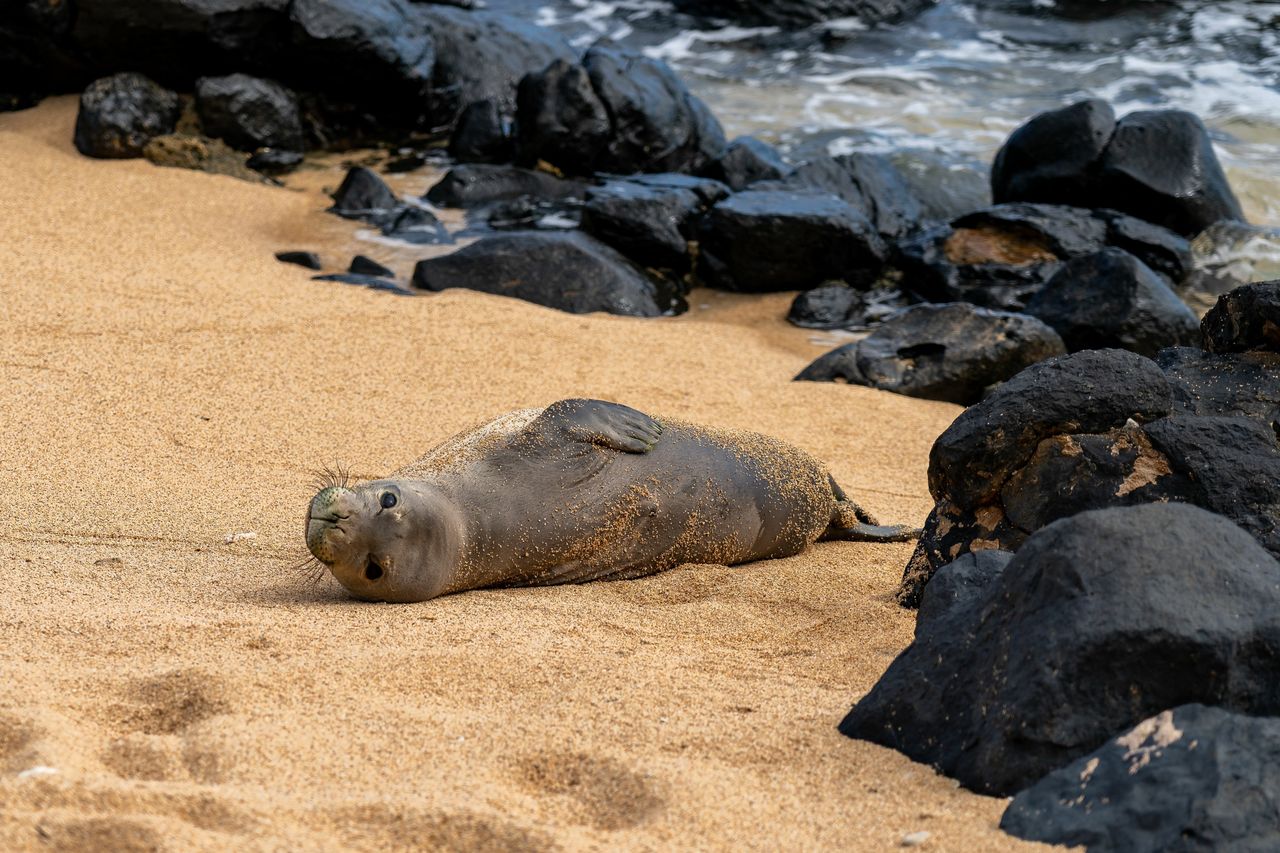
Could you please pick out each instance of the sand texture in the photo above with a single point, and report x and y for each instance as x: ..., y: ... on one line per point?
x: 167, y: 384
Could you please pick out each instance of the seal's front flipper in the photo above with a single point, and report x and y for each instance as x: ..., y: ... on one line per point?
x: 596, y: 422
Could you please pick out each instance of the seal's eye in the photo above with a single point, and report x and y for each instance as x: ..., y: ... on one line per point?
x: 388, y: 500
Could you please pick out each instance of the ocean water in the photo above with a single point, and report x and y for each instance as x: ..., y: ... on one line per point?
x: 949, y: 86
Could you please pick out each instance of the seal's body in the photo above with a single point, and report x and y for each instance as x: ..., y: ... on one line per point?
x: 582, y: 490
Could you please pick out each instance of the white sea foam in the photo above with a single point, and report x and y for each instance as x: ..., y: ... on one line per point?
x: 682, y: 46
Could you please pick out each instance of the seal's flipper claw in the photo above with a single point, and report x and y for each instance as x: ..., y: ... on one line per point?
x: 597, y: 422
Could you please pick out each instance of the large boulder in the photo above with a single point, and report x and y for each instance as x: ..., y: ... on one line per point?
x: 1158, y: 165
x: 569, y: 271
x: 1099, y: 621
x: 620, y: 112
x: 1191, y: 778
x: 1247, y: 318
x: 802, y: 13
x: 1112, y: 299
x: 949, y: 352
x: 120, y: 114
x: 1084, y: 432
x: 649, y: 222
x: 481, y: 56
x: 176, y: 41
x: 758, y: 241
x: 249, y: 113
x: 1001, y: 256
x: 1231, y: 384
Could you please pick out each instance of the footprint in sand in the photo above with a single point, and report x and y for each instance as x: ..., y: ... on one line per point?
x: 601, y: 792
x: 161, y: 717
x: 384, y: 827
x: 91, y: 835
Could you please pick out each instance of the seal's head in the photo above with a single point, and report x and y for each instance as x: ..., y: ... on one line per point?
x: 387, y: 540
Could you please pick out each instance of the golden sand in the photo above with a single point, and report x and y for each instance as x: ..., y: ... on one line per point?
x: 168, y: 386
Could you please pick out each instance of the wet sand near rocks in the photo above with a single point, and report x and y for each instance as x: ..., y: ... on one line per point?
x: 168, y: 385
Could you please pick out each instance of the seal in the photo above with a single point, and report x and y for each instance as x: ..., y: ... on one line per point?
x: 579, y: 491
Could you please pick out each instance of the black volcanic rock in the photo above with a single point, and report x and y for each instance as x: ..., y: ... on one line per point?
x: 482, y: 135
x: 746, y: 161
x: 802, y: 13
x: 120, y: 114
x: 838, y: 306
x: 620, y: 112
x: 478, y: 184
x: 309, y: 260
x: 1112, y: 299
x: 1100, y: 621
x: 1157, y: 165
x: 364, y: 265
x: 868, y: 182
x: 649, y: 223
x: 1247, y: 318
x: 1191, y: 778
x: 566, y: 270
x: 758, y: 241
x: 482, y: 56
x: 950, y: 352
x: 364, y: 195
x: 1227, y: 384
x: 249, y: 113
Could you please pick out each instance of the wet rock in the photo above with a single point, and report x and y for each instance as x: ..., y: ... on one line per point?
x: 378, y: 55
x: 475, y: 185
x: 363, y: 265
x: 802, y: 13
x: 1001, y: 256
x: 759, y: 241
x: 249, y: 113
x: 363, y: 195
x: 648, y: 222
x: 1194, y: 777
x: 839, y: 306
x: 561, y: 119
x: 1051, y: 157
x: 940, y: 352
x: 868, y: 182
x: 1247, y: 318
x: 120, y: 114
x: 630, y: 114
x: 201, y: 154
x: 273, y: 161
x: 310, y: 260
x: 482, y: 135
x: 1112, y: 299
x: 1071, y: 642
x: 415, y: 225
x: 569, y: 271
x: 746, y: 161
x: 944, y: 186
x: 1157, y: 165
x: 482, y: 56
x: 1246, y: 384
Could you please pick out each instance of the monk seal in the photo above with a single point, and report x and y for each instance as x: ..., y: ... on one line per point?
x: 581, y: 490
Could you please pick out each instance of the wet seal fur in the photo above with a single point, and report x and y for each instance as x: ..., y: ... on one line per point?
x: 579, y: 491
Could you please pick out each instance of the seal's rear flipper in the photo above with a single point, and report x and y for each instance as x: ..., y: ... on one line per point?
x: 852, y: 523
x: 596, y: 422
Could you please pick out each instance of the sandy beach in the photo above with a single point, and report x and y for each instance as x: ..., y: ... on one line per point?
x: 171, y: 682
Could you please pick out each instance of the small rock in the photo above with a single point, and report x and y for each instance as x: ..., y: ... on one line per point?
x: 839, y: 306
x: 363, y: 195
x: 478, y: 184
x: 1247, y: 318
x: 482, y: 135
x: 369, y: 281
x: 310, y: 260
x: 746, y: 161
x: 415, y: 225
x: 362, y: 265
x: 120, y: 114
x: 915, y: 839
x: 650, y: 224
x: 273, y: 161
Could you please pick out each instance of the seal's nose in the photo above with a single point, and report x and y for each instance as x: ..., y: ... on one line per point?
x: 328, y: 509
